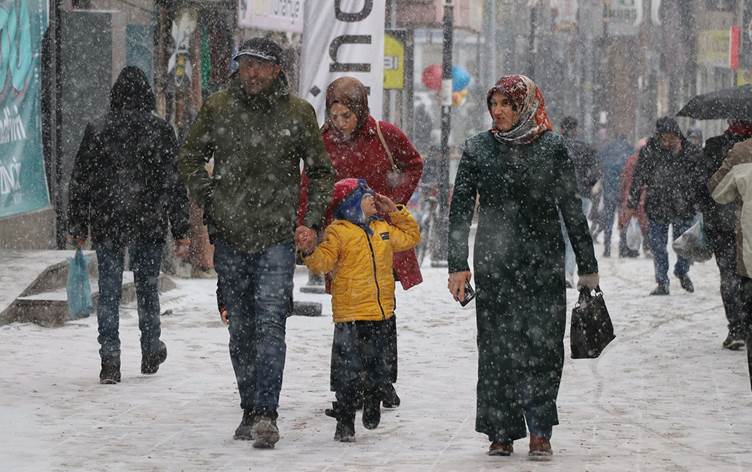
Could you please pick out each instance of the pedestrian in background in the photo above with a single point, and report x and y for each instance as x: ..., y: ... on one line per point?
x: 259, y: 135
x: 587, y: 171
x: 666, y: 168
x: 719, y: 222
x: 733, y: 183
x: 625, y: 184
x: 522, y: 174
x: 125, y: 188
x: 612, y: 157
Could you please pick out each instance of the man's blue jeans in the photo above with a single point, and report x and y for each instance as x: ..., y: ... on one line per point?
x: 257, y: 290
x: 145, y: 258
x: 658, y: 234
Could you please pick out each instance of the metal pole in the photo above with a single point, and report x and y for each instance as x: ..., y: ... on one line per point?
x: 532, y: 40
x: 490, y: 33
x: 55, y: 36
x: 439, y: 254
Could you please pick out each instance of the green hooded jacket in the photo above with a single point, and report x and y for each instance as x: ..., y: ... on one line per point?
x: 258, y: 144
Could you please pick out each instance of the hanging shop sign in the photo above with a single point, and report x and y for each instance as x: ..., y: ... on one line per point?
x: 713, y: 48
x: 23, y: 183
x: 272, y: 15
x: 343, y: 37
x: 394, y: 60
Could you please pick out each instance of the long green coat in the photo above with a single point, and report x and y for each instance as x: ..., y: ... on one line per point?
x: 519, y: 273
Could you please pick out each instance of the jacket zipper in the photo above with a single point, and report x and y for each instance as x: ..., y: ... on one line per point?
x: 375, y: 279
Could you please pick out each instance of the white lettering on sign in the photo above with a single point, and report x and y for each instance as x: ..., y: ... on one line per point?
x: 11, y: 126
x: 10, y: 180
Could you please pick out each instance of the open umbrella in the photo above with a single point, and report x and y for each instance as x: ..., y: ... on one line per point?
x: 731, y: 103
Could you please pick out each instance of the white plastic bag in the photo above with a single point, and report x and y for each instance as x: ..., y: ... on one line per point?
x: 692, y: 244
x: 634, y: 234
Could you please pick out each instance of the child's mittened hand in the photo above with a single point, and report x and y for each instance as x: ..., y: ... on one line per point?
x: 385, y: 204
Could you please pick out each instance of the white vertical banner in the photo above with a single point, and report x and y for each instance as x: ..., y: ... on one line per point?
x: 343, y: 38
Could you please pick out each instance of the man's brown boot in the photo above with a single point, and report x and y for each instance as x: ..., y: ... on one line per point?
x: 540, y: 448
x: 500, y: 448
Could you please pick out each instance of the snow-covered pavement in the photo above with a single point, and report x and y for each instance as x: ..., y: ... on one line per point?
x: 663, y: 397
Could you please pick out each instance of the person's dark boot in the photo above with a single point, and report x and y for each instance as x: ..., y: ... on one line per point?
x: 371, y: 410
x: 735, y: 340
x: 686, y: 283
x: 244, y: 431
x: 661, y: 289
x: 390, y: 397
x: 345, y: 431
x: 150, y: 360
x: 110, y: 373
x: 265, y: 430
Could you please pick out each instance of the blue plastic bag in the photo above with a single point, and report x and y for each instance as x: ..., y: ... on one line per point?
x: 78, y: 288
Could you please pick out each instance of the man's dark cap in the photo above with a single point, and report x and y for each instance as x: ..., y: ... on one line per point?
x: 260, y: 48
x: 569, y: 123
x: 666, y: 124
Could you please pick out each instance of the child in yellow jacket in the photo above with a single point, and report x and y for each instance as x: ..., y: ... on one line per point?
x: 357, y: 250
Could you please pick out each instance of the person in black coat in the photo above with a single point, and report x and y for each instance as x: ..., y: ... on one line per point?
x: 667, y: 168
x: 124, y: 189
x: 720, y: 227
x: 587, y: 172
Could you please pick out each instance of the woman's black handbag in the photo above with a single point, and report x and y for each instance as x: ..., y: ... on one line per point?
x: 591, y: 329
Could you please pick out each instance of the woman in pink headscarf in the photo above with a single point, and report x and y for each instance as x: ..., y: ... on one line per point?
x: 522, y: 174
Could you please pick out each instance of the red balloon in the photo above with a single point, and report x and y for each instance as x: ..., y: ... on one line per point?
x: 431, y: 77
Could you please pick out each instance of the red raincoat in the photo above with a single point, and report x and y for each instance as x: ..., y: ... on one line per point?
x: 363, y: 156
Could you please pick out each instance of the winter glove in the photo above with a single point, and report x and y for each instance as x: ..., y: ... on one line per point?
x: 590, y: 281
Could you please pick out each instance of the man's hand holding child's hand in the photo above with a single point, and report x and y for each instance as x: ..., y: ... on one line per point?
x: 305, y: 239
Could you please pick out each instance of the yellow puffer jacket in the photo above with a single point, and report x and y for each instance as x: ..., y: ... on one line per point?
x: 361, y: 266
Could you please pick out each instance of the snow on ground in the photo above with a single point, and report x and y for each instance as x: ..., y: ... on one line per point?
x: 663, y: 397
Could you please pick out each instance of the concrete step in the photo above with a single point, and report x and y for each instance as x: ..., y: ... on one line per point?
x: 50, y: 308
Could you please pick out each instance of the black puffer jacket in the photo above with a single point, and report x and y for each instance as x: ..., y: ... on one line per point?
x: 716, y: 217
x: 125, y: 185
x: 670, y: 181
x: 586, y: 169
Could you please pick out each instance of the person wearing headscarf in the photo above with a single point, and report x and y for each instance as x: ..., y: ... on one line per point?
x: 521, y: 173
x: 362, y: 147
x: 124, y: 189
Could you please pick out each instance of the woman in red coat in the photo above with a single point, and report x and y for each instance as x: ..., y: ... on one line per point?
x: 364, y: 148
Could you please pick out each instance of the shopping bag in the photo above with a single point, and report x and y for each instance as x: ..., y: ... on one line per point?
x: 634, y: 234
x: 78, y: 288
x: 591, y: 329
x: 692, y: 244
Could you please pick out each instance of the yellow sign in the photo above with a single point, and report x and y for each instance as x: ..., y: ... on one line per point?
x: 743, y: 77
x: 394, y: 63
x: 713, y: 48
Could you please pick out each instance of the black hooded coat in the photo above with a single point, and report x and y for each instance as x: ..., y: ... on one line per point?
x: 125, y: 184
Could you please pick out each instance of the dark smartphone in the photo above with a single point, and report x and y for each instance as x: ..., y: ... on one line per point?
x: 469, y: 294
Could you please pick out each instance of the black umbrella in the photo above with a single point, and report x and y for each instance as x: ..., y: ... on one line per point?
x: 726, y: 104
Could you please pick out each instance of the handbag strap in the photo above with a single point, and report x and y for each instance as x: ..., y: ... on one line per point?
x: 385, y: 146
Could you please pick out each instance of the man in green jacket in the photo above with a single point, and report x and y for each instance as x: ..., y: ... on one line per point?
x: 258, y: 135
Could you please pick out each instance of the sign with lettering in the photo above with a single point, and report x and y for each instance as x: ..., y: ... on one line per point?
x: 271, y: 15
x: 343, y: 38
x: 23, y: 183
